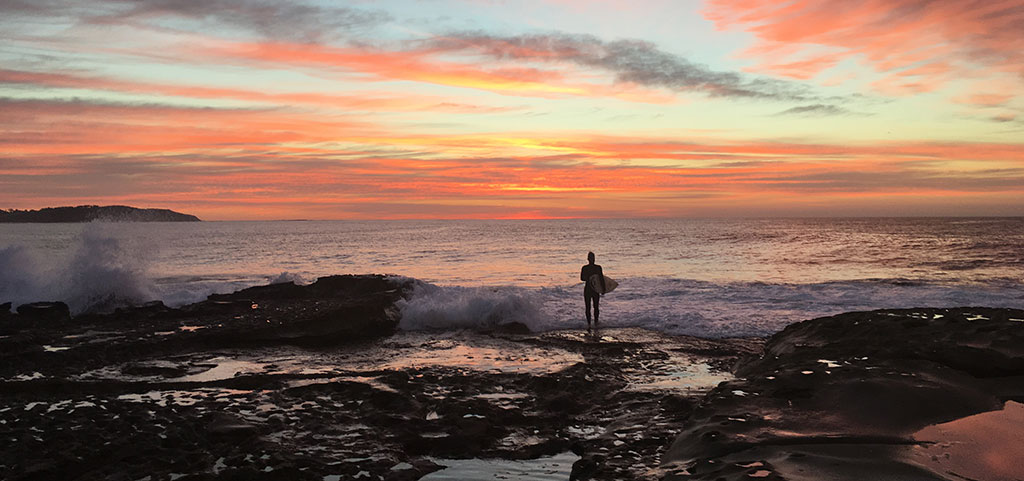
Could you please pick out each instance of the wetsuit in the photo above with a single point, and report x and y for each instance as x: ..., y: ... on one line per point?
x: 590, y: 295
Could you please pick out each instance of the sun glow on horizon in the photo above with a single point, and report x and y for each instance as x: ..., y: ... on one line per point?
x: 547, y: 110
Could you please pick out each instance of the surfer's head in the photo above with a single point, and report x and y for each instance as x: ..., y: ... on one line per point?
x: 590, y: 257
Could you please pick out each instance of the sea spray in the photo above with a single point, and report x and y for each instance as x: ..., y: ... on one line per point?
x: 99, y: 271
x: 286, y: 277
x: 21, y: 276
x: 456, y: 307
x: 713, y: 278
x: 681, y: 306
x: 106, y: 271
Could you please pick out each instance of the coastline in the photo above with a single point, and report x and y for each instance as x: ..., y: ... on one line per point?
x: 315, y: 381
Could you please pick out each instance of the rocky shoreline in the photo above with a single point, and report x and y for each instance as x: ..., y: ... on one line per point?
x: 859, y: 396
x: 317, y: 382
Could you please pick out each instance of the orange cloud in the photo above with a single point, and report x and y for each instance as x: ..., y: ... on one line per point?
x: 984, y: 99
x: 918, y: 44
x: 252, y: 163
x: 426, y: 66
x: 366, y: 101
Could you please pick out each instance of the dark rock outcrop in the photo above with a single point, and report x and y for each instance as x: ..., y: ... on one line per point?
x: 44, y: 312
x: 89, y: 213
x: 332, y: 310
x: 842, y: 397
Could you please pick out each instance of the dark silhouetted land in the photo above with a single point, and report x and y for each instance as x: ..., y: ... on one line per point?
x: 89, y: 213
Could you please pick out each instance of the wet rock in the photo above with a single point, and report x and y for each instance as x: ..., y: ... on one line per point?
x: 44, y: 311
x: 512, y: 328
x: 413, y: 470
x: 842, y: 396
x: 102, y: 390
x: 276, y: 420
x: 145, y: 309
x: 333, y: 310
x: 585, y: 468
x: 224, y: 424
x: 565, y: 402
x: 473, y: 427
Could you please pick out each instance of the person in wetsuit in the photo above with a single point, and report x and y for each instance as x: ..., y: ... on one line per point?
x: 589, y: 294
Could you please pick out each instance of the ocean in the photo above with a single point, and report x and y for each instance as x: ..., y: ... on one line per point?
x: 703, y: 277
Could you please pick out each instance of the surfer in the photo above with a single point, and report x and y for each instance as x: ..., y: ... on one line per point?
x: 590, y: 295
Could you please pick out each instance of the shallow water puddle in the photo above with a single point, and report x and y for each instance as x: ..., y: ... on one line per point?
x: 985, y: 446
x: 29, y: 377
x: 686, y: 376
x: 183, y: 398
x: 226, y: 368
x: 516, y: 359
x: 829, y: 364
x: 552, y: 468
x: 585, y: 432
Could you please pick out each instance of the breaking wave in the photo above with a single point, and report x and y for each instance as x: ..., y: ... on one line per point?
x: 688, y: 307
x: 455, y: 307
x: 100, y: 272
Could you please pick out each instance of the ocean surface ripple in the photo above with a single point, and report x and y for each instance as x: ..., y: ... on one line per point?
x: 707, y: 277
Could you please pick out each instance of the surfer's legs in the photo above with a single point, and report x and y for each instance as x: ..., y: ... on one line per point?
x: 587, y: 299
x: 597, y: 307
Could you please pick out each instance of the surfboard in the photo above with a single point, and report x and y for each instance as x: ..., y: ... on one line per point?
x: 609, y: 284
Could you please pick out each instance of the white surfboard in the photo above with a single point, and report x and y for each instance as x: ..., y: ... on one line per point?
x: 609, y: 284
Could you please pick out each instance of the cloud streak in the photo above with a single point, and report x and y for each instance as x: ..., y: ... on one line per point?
x: 236, y: 160
x: 291, y: 21
x: 817, y: 110
x: 365, y: 101
x: 629, y: 61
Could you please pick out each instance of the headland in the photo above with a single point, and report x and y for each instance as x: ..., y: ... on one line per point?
x: 89, y: 213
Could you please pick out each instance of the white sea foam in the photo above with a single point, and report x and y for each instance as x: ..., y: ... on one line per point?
x: 455, y: 307
x: 703, y: 277
x: 286, y: 277
x: 106, y: 271
x: 681, y: 306
x: 21, y: 278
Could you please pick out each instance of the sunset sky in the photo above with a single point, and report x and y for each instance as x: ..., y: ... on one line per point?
x: 514, y: 109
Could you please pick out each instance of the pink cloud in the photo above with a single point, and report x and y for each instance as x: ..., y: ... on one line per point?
x: 240, y: 163
x: 426, y: 65
x: 984, y: 99
x: 365, y: 101
x: 919, y: 45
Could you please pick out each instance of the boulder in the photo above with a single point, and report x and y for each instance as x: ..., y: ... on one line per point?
x: 44, y: 311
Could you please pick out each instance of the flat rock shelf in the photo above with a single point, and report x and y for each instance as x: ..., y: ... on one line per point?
x: 317, y: 382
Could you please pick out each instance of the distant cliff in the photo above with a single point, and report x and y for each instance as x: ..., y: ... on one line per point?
x: 88, y: 213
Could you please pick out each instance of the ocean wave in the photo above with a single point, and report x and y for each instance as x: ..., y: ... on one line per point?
x: 687, y: 306
x: 456, y: 307
x: 99, y: 273
x: 286, y: 277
